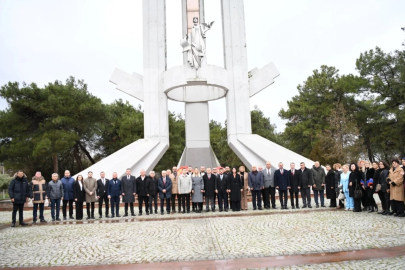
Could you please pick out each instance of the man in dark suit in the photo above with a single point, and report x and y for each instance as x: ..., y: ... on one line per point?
x: 102, y: 195
x: 152, y: 190
x: 282, y: 182
x: 142, y: 192
x: 256, y: 185
x: 165, y: 192
x: 295, y: 180
x: 306, y: 180
x: 114, y: 194
x: 209, y: 189
x: 222, y: 190
x: 128, y: 191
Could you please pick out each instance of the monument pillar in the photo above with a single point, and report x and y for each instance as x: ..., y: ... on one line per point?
x: 197, y: 151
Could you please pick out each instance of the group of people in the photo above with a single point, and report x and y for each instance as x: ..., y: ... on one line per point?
x: 352, y: 185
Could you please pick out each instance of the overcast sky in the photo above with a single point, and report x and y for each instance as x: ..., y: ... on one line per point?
x: 44, y: 41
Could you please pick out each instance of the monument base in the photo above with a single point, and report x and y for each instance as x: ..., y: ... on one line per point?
x: 197, y: 157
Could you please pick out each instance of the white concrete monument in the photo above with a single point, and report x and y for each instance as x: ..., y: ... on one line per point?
x: 195, y: 83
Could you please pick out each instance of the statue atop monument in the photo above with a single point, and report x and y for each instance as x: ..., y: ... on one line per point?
x: 194, y: 43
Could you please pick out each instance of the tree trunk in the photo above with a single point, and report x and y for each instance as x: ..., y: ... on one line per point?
x: 369, y: 151
x: 55, y: 163
x: 86, y: 152
x: 77, y: 157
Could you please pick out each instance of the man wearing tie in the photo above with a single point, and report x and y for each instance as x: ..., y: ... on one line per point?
x: 165, y: 192
x: 282, y: 182
x: 114, y: 194
x: 128, y: 191
x: 102, y: 195
x: 256, y: 185
x: 269, y: 187
x: 295, y: 180
x: 209, y: 190
x: 222, y: 189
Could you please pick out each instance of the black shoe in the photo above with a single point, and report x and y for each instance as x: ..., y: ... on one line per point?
x: 285, y: 207
x: 54, y: 219
x: 112, y: 216
x: 226, y: 210
x: 23, y: 224
x: 309, y: 206
x: 78, y: 218
x: 71, y: 217
x: 213, y: 210
x: 385, y: 213
x: 292, y: 207
x: 174, y: 211
x: 188, y: 211
x: 298, y: 207
x: 183, y: 212
x: 13, y: 224
x: 162, y: 213
x: 64, y: 218
x: 92, y: 217
x: 220, y: 210
x: 382, y: 212
x: 322, y: 205
x: 155, y: 212
x: 401, y: 215
x: 396, y: 214
x: 365, y: 208
x: 205, y: 210
x: 140, y: 214
x: 391, y: 213
x: 317, y: 206
x: 305, y: 206
x: 260, y: 208
x: 118, y: 216
x: 43, y: 221
x: 126, y: 214
x: 58, y: 219
x: 274, y: 207
x: 254, y: 208
x: 371, y: 210
x: 168, y: 212
x: 100, y: 216
x: 107, y: 216
x: 34, y: 222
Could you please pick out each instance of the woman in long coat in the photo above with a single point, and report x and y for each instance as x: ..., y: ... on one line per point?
x: 197, y: 188
x: 244, y: 177
x: 355, y: 183
x: 330, y: 186
x: 384, y: 192
x: 396, y: 181
x: 80, y: 196
x: 236, y: 183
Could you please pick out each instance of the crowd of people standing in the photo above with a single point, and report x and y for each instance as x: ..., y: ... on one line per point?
x: 352, y: 185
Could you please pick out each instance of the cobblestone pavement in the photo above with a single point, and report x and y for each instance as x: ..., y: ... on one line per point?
x: 377, y: 264
x: 199, y: 239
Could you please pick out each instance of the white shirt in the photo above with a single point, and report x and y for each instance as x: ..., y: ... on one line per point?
x: 81, y: 185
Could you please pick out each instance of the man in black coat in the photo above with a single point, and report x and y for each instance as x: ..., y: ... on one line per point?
x: 128, y: 190
x: 295, y: 180
x: 142, y: 192
x: 307, y: 182
x: 282, y: 182
x: 152, y: 190
x: 102, y: 195
x: 209, y: 189
x: 222, y: 189
x: 19, y: 192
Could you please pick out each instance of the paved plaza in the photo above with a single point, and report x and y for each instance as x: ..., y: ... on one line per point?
x: 196, y: 237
